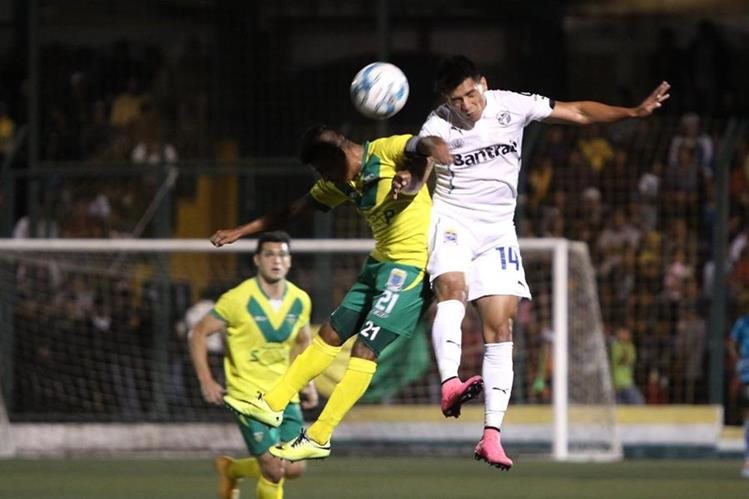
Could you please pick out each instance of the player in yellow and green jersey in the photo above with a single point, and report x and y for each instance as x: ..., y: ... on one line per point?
x: 387, y: 299
x: 266, y: 319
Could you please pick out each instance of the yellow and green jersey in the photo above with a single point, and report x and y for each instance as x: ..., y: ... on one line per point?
x: 400, y: 226
x: 259, y: 335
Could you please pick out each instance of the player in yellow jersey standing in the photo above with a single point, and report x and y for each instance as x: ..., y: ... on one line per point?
x: 267, y: 324
x: 387, y: 299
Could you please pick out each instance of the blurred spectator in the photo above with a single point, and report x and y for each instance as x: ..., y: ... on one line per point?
x: 86, y: 218
x: 675, y: 275
x: 60, y: 141
x: 592, y: 216
x: 556, y: 147
x: 154, y: 152
x: 739, y: 354
x: 215, y: 342
x: 739, y: 277
x: 151, y: 148
x: 126, y: 107
x: 679, y: 237
x: 540, y: 181
x: 595, y: 147
x: 617, y: 236
x: 127, y: 365
x: 691, y: 334
x: 648, y: 187
x: 96, y: 135
x: 78, y: 103
x: 697, y: 141
x: 656, y: 388
x: 623, y: 359
x: 681, y: 184
x: 44, y: 228
x: 621, y: 179
x: 739, y: 179
x: 7, y: 132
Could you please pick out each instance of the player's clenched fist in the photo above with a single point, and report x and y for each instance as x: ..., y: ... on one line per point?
x: 224, y: 236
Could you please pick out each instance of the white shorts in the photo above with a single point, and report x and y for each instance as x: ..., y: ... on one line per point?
x: 487, y: 253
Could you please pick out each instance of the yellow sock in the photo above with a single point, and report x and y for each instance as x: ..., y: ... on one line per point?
x: 350, y: 389
x: 268, y: 490
x: 244, y: 468
x: 310, y: 363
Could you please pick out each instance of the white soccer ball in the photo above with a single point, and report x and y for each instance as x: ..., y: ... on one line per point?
x: 379, y: 90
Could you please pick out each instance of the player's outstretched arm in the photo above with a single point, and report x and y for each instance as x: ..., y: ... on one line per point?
x: 212, y: 391
x: 421, y: 153
x: 590, y: 112
x: 273, y: 220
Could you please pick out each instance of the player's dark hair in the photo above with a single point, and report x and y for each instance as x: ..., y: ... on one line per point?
x: 452, y: 71
x: 276, y: 236
x: 314, y: 147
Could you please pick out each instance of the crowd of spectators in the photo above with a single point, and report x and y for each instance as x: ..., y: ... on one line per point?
x: 640, y: 193
x: 137, y: 106
x: 647, y: 214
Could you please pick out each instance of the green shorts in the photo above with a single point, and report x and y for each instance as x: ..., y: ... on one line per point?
x: 260, y: 437
x: 385, y: 302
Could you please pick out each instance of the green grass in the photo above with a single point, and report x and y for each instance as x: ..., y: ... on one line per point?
x: 368, y: 477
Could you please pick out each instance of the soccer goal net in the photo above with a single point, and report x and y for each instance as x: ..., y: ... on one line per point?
x: 94, y: 359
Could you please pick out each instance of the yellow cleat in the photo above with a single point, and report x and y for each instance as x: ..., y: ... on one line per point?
x: 228, y: 488
x: 302, y: 447
x: 255, y: 408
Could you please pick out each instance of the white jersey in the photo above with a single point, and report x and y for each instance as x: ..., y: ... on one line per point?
x: 482, y: 182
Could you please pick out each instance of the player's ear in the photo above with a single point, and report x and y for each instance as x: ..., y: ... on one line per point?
x: 482, y: 83
x: 256, y: 259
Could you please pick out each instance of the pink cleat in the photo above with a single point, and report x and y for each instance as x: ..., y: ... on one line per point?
x: 455, y: 393
x: 489, y: 449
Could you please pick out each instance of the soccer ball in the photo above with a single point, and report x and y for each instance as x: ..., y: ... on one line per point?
x: 379, y: 90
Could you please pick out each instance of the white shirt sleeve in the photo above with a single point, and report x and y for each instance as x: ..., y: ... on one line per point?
x: 533, y: 107
x: 435, y: 125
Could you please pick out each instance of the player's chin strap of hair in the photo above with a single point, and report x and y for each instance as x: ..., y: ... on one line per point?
x: 412, y: 146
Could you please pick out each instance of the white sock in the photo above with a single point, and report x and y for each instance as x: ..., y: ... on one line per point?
x: 447, y: 337
x: 498, y: 376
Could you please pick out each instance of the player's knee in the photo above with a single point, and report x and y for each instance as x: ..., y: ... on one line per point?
x: 363, y: 351
x: 498, y: 332
x: 329, y: 335
x: 272, y: 468
x: 451, y: 286
x: 294, y: 470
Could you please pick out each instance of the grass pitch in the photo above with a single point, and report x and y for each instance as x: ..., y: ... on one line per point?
x: 379, y: 477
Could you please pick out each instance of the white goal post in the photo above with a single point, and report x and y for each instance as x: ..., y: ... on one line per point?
x: 582, y: 422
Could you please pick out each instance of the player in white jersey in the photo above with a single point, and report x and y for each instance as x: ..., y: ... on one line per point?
x: 474, y: 254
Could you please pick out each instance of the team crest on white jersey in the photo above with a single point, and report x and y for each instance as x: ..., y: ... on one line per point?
x: 504, y: 118
x: 456, y: 144
x: 450, y: 236
x: 396, y: 280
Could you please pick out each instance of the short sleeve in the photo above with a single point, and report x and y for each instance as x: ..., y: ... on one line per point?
x: 391, y: 149
x: 435, y: 125
x: 326, y: 194
x: 225, y: 309
x: 533, y: 107
x: 304, y: 317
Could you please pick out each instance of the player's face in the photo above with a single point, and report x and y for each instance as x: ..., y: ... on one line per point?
x: 468, y: 98
x: 273, y: 261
